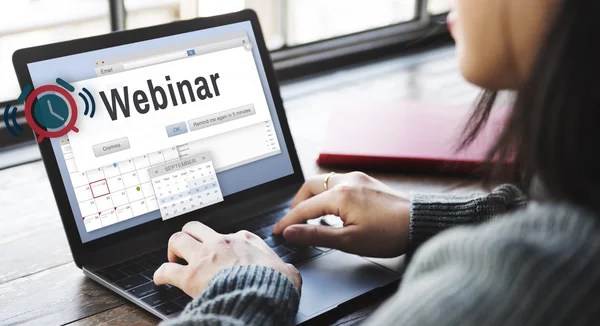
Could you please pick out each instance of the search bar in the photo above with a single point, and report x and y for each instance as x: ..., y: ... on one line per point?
x: 154, y: 60
x: 180, y: 54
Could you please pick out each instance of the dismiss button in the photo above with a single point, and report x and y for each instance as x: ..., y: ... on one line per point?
x: 110, y: 147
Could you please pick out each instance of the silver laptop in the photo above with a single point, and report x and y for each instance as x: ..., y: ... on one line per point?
x: 145, y: 130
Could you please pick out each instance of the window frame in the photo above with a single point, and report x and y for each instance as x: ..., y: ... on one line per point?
x: 332, y: 47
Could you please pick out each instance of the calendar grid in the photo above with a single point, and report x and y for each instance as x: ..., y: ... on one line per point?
x: 126, y: 190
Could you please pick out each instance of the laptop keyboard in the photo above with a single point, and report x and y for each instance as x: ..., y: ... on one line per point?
x: 135, y: 275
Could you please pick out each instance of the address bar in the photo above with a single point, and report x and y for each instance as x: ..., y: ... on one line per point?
x: 154, y: 60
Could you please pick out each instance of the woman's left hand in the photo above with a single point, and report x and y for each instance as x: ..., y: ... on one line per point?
x: 207, y: 252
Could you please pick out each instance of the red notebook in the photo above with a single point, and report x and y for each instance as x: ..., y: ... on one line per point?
x: 406, y: 137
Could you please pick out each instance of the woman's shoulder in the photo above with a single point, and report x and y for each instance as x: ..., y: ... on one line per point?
x: 547, y: 233
x: 552, y: 219
x: 537, y: 222
x: 532, y: 266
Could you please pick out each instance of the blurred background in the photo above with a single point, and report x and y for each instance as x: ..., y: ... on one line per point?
x: 304, y: 36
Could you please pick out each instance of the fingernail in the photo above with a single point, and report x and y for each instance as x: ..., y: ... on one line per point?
x: 174, y: 236
x: 291, y: 232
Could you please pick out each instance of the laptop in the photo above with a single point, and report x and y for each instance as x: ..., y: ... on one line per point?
x: 174, y: 123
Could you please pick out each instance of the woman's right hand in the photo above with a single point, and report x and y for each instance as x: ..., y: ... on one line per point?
x: 376, y: 218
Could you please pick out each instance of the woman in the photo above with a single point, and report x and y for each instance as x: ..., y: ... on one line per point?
x: 506, y: 261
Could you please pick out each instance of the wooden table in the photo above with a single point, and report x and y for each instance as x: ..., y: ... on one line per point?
x: 40, y: 285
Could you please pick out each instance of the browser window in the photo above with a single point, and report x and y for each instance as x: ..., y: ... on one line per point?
x: 180, y: 123
x: 190, y: 97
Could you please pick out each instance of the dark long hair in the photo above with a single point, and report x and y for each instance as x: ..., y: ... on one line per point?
x: 553, y: 130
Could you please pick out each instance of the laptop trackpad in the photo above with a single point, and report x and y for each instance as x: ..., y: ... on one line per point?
x: 336, y: 278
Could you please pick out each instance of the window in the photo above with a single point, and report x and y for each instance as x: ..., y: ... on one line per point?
x: 143, y: 13
x: 285, y: 23
x: 47, y: 22
x: 436, y: 7
x: 315, y: 20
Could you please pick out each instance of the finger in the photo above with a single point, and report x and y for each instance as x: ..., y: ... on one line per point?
x: 182, y: 245
x: 315, y: 186
x: 318, y: 235
x: 200, y: 232
x: 170, y: 273
x: 307, y: 190
x: 319, y: 205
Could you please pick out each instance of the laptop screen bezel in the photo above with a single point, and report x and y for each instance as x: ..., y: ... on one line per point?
x: 23, y: 57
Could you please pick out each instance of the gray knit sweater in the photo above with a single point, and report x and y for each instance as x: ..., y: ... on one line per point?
x: 536, y: 265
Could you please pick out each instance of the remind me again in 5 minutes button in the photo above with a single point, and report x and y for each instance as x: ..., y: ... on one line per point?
x: 222, y: 117
x: 110, y: 147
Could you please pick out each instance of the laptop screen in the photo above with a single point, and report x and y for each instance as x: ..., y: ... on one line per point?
x: 171, y: 125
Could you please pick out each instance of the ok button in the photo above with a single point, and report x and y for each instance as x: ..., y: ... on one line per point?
x: 177, y: 129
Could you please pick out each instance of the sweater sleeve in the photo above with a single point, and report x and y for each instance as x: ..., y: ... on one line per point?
x: 433, y: 213
x: 243, y: 295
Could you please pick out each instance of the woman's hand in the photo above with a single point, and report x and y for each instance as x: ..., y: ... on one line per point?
x: 207, y: 252
x: 376, y: 218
